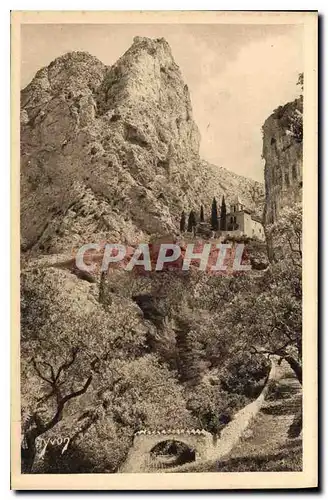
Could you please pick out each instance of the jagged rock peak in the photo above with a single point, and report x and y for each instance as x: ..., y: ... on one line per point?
x: 146, y: 76
x: 150, y: 44
x: 71, y: 75
x: 73, y: 64
x: 155, y: 47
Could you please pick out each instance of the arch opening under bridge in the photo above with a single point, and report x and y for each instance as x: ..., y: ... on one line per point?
x: 170, y: 453
x: 164, y: 449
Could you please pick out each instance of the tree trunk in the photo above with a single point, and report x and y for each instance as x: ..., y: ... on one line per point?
x: 28, y: 454
x: 296, y: 367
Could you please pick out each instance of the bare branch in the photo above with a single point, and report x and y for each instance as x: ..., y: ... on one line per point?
x: 40, y: 374
x: 58, y: 415
x: 67, y: 364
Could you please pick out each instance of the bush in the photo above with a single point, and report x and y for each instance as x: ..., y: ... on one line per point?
x: 245, y: 374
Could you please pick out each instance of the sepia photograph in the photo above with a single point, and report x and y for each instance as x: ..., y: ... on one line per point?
x: 165, y: 176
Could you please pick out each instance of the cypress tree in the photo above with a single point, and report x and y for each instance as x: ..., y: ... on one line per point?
x: 191, y: 221
x: 202, y: 214
x: 183, y: 222
x: 223, y: 220
x: 214, y: 216
x: 190, y: 354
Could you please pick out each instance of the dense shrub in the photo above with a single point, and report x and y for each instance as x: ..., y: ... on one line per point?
x: 245, y: 374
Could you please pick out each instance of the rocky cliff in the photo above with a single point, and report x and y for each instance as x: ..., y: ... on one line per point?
x: 283, y: 153
x: 112, y: 153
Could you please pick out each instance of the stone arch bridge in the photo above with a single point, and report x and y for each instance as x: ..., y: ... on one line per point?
x: 204, y: 445
x: 139, y: 458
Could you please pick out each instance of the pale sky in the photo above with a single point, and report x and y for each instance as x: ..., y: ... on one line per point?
x: 237, y: 74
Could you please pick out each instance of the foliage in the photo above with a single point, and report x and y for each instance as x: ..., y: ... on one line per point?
x: 183, y: 222
x: 212, y: 406
x: 201, y: 218
x: 296, y: 125
x: 191, y: 221
x: 214, y: 216
x: 286, y: 234
x: 65, y: 339
x: 245, y: 374
x: 291, y: 114
x: 191, y: 353
x: 300, y: 81
x: 223, y: 217
x: 269, y: 320
x: 145, y: 394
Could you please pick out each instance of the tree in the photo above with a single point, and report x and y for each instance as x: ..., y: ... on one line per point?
x: 191, y: 222
x: 213, y: 407
x: 296, y: 125
x: 66, y: 338
x: 34, y: 426
x: 214, y: 216
x: 131, y: 395
x: 300, y: 81
x: 183, y: 222
x: 286, y: 234
x: 268, y: 320
x: 245, y: 374
x: 190, y: 353
x: 201, y: 213
x: 223, y: 218
x: 295, y: 122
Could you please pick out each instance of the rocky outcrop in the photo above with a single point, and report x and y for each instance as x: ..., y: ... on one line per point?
x: 283, y: 153
x: 112, y: 153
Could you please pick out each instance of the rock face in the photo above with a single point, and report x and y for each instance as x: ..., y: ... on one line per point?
x: 111, y: 153
x: 283, y: 153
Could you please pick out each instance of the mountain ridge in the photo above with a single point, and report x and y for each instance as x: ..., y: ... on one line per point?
x: 113, y: 152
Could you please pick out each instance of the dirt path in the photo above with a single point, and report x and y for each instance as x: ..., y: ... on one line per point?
x: 270, y: 431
